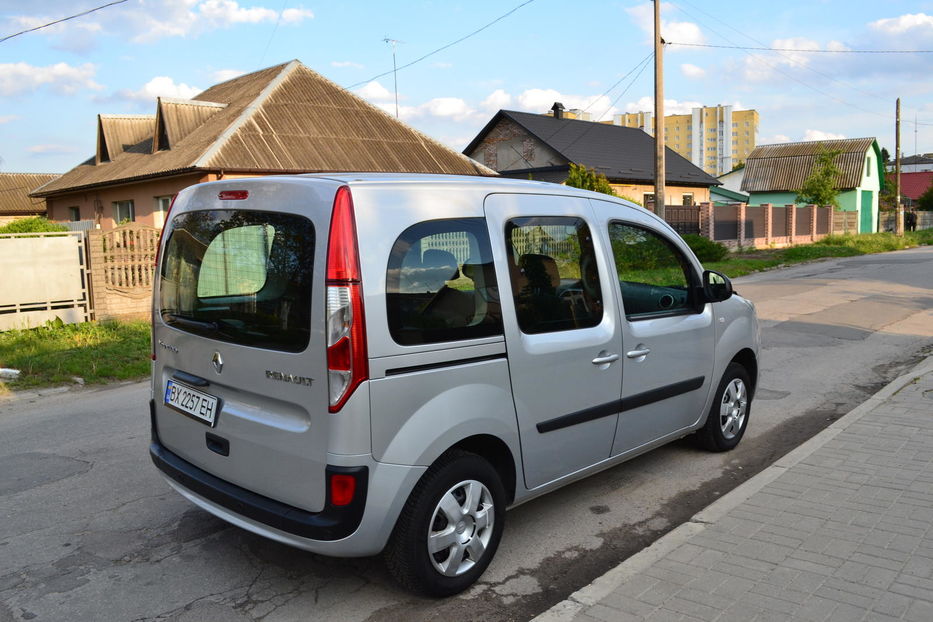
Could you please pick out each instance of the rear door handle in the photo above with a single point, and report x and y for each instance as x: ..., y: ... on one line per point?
x: 607, y: 358
x: 634, y: 354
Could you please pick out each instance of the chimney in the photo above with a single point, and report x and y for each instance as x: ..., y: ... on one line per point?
x: 558, y: 110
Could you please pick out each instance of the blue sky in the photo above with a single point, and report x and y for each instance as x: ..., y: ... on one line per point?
x: 55, y: 81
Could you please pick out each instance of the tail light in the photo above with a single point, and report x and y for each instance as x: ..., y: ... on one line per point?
x: 347, y: 364
x: 158, y: 252
x: 342, y: 489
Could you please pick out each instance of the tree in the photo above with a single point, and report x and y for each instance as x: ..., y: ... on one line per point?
x: 885, y: 156
x: 588, y: 179
x: 887, y: 199
x: 925, y: 200
x: 819, y: 188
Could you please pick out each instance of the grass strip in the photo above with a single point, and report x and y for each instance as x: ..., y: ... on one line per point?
x: 97, y: 352
x: 748, y: 261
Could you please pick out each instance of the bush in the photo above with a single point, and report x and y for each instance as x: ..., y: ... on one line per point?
x: 706, y: 249
x: 36, y: 224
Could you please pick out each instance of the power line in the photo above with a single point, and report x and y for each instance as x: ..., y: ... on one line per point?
x: 64, y: 19
x: 442, y: 48
x: 769, y: 49
x: 795, y: 61
x: 791, y: 59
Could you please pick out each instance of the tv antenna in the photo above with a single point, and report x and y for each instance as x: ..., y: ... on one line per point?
x: 393, y: 43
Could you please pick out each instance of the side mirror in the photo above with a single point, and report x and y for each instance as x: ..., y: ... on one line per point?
x: 716, y: 286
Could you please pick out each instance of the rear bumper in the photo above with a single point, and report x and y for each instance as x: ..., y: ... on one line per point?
x: 360, y: 528
x: 332, y: 523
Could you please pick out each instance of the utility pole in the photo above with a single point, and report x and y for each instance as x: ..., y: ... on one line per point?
x: 899, y: 214
x: 659, y: 173
x: 393, y: 43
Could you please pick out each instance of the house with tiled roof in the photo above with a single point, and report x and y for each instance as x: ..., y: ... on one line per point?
x: 15, y: 201
x: 280, y: 120
x: 525, y: 145
x: 913, y: 185
x: 775, y: 173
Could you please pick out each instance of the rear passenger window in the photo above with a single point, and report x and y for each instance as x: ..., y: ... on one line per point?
x: 654, y: 276
x: 555, y: 281
x: 441, y: 284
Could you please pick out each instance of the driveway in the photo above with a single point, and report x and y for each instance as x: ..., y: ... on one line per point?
x: 89, y: 531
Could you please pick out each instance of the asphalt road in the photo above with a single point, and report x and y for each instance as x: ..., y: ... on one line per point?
x: 89, y: 531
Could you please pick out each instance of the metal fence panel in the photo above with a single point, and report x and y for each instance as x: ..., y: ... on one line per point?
x: 44, y: 277
x: 824, y: 218
x: 802, y: 224
x: 779, y: 219
x: 726, y: 222
x: 755, y: 221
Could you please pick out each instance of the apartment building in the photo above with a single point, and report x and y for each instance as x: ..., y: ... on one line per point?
x: 714, y: 138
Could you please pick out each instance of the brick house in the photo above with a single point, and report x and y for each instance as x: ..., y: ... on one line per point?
x: 279, y: 120
x: 524, y: 145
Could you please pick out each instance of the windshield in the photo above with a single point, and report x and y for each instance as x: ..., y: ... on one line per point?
x: 240, y: 276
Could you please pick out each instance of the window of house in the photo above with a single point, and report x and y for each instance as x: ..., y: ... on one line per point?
x: 162, y: 205
x: 867, y: 167
x: 687, y: 198
x: 441, y: 283
x: 123, y: 212
x: 654, y: 276
x: 74, y: 214
x: 555, y: 280
x: 647, y: 198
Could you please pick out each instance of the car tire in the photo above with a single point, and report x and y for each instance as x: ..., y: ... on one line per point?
x: 450, y: 527
x: 728, y: 416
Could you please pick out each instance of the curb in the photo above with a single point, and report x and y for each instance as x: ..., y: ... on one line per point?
x: 603, y: 586
x: 17, y: 397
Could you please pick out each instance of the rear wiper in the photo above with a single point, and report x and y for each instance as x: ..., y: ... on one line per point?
x: 189, y: 322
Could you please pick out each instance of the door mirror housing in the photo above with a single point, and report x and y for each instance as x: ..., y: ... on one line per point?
x: 716, y: 286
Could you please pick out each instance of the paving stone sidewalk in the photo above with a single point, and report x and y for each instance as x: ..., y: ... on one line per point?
x: 839, y: 529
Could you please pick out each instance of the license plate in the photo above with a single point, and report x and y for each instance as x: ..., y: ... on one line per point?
x: 190, y: 401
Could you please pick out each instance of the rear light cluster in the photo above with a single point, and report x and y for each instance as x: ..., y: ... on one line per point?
x: 158, y: 253
x: 347, y: 364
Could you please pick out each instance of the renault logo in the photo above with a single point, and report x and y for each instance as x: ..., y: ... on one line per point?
x: 218, y: 362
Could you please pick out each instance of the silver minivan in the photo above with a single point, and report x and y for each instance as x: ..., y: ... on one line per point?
x: 359, y: 363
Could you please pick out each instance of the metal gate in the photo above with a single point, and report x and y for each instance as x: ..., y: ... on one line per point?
x: 45, y: 275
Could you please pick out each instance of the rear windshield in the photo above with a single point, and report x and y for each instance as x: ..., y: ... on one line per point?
x: 240, y: 276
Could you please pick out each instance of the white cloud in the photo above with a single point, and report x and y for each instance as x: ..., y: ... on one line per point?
x: 345, y: 63
x: 226, y: 12
x: 821, y: 135
x: 692, y: 71
x: 51, y: 149
x: 911, y: 22
x: 777, y: 138
x: 16, y: 78
x: 160, y: 86
x: 222, y: 75
x: 496, y: 101
x: 146, y: 21
x: 8, y: 118
x: 671, y: 106
x: 375, y: 92
x: 541, y: 100
x: 295, y: 16
x: 671, y: 31
x: 452, y: 107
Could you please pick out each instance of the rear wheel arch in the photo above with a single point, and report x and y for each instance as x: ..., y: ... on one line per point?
x: 495, y: 451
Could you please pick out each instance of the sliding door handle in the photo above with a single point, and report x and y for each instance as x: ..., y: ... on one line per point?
x: 604, y: 359
x: 634, y: 354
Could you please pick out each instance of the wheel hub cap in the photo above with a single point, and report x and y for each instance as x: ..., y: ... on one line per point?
x: 461, y: 528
